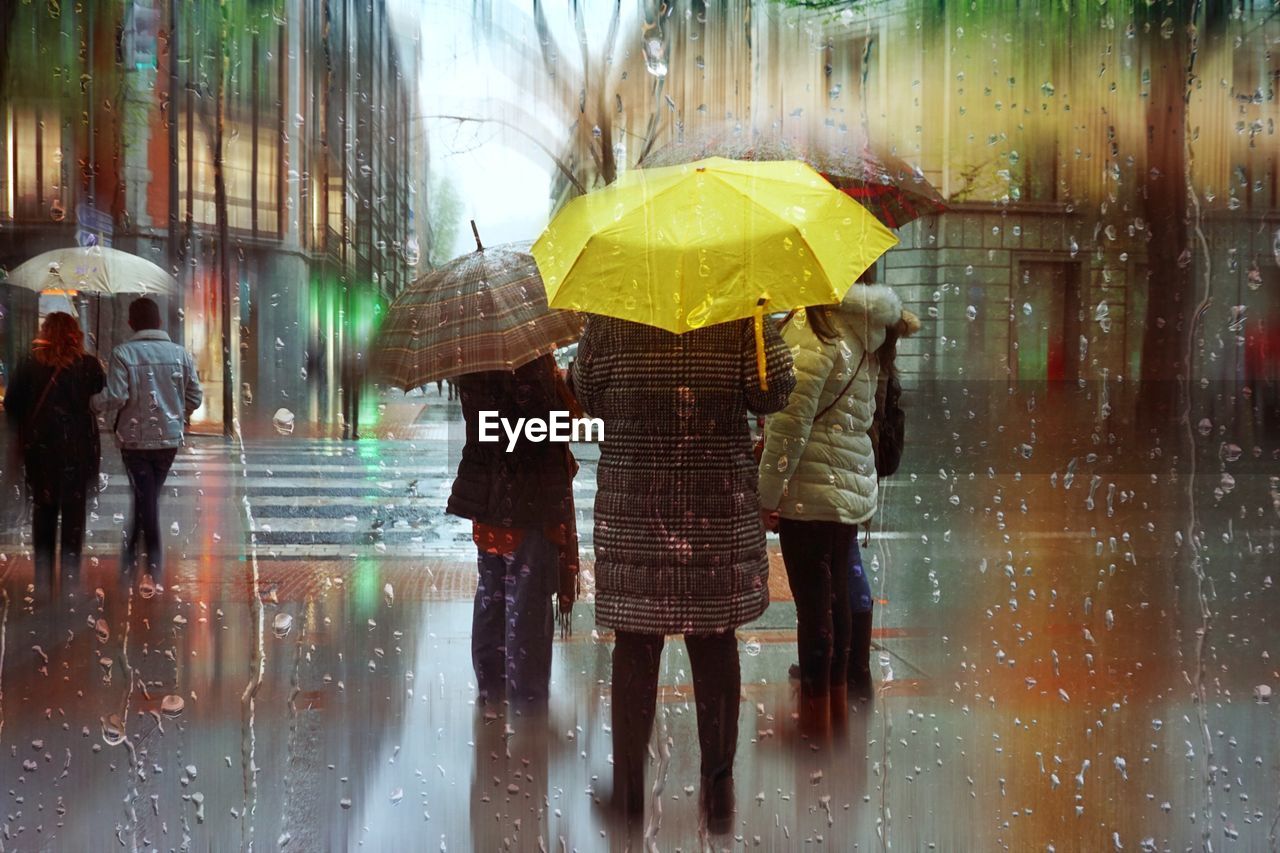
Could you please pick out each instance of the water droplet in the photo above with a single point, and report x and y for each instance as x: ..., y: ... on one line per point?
x: 113, y: 730
x: 281, y: 625
x: 172, y: 705
x: 283, y: 421
x: 655, y: 57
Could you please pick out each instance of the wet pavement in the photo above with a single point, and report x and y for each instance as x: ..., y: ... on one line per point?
x: 1076, y: 643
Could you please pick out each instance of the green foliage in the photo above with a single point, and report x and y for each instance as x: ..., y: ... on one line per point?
x: 444, y: 219
x: 39, y: 64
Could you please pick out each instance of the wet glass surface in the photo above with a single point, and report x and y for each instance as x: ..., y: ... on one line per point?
x: 1073, y: 570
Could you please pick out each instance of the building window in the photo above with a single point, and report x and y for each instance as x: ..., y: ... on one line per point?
x: 337, y: 204
x: 268, y: 178
x: 196, y: 173
x: 32, y: 173
x: 6, y: 168
x: 238, y: 151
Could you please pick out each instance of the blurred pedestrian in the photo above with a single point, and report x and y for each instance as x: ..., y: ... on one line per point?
x: 48, y: 404
x: 521, y: 507
x: 679, y: 541
x: 152, y: 390
x: 818, y: 471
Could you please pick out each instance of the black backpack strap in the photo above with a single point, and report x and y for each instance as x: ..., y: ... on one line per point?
x: 844, y: 390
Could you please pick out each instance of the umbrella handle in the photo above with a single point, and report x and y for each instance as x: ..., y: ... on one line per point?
x: 761, y: 363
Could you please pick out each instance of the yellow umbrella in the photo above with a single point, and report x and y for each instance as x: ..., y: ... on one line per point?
x: 688, y: 246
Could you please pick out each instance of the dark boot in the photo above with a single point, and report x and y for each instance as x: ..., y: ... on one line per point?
x: 839, y: 709
x: 634, y: 705
x: 860, y: 686
x: 815, y: 716
x: 718, y: 803
x: 627, y: 798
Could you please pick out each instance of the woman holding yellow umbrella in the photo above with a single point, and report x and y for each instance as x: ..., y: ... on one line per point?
x: 676, y: 263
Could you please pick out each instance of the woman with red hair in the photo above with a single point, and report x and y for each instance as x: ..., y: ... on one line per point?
x: 48, y: 403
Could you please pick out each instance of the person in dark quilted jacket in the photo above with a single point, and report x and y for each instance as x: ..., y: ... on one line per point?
x: 520, y: 502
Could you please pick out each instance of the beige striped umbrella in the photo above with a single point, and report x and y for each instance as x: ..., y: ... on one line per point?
x: 482, y: 311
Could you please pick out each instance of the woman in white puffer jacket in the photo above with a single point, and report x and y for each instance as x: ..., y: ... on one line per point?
x: 818, y: 473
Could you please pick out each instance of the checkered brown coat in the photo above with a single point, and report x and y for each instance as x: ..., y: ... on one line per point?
x: 678, y: 539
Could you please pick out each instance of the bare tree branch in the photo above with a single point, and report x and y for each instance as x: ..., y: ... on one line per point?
x: 560, y: 164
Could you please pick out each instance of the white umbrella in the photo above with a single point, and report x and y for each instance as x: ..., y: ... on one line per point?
x: 92, y: 269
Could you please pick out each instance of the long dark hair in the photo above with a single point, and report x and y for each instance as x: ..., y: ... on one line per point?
x: 819, y: 317
x: 887, y: 354
x: 61, y: 343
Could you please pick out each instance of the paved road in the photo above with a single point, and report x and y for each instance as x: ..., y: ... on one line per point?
x: 1055, y: 668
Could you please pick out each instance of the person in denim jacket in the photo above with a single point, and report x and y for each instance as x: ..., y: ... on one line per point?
x: 152, y: 388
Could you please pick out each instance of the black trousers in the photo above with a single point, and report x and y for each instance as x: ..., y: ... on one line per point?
x: 717, y: 685
x: 68, y: 501
x: 818, y: 556
x: 147, y: 471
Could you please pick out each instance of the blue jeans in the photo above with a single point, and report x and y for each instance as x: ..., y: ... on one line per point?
x: 513, y: 621
x: 859, y: 586
x: 147, y: 470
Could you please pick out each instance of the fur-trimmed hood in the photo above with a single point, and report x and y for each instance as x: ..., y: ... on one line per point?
x: 868, y: 310
x: 876, y: 302
x: 881, y: 305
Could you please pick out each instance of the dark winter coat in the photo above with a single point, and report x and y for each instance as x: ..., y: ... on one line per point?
x: 60, y: 446
x: 678, y: 539
x: 530, y: 487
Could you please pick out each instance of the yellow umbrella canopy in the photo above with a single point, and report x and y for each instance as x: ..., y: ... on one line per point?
x: 688, y: 246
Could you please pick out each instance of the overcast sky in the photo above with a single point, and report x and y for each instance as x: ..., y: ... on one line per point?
x: 503, y: 183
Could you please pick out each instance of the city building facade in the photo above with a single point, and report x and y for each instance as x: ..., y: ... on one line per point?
x: 1092, y: 161
x: 110, y: 121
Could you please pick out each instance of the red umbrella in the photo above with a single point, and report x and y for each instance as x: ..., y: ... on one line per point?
x: 894, y: 191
